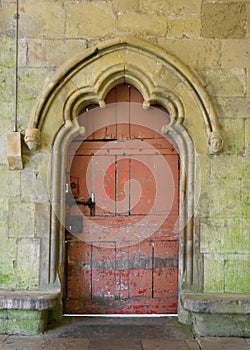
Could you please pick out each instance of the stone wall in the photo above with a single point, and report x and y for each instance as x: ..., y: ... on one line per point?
x: 211, y: 38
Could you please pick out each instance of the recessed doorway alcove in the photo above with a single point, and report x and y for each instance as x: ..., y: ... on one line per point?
x: 162, y: 80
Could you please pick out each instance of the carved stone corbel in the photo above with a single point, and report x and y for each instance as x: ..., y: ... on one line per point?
x: 32, y: 138
x: 215, y: 142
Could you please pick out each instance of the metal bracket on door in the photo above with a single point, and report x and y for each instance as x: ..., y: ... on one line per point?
x: 90, y: 203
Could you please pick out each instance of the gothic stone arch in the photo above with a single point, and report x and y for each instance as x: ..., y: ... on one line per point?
x: 161, y: 78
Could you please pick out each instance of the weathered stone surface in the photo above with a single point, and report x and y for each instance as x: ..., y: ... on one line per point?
x: 35, y: 179
x: 126, y: 5
x: 89, y: 20
x: 8, y: 18
x: 29, y: 301
x: 225, y: 83
x: 237, y: 269
x: 10, y: 181
x: 162, y: 344
x: 235, y: 53
x: 7, y: 48
x: 235, y: 107
x: 21, y: 221
x: 35, y: 23
x: 234, y: 141
x: 226, y: 202
x: 220, y: 235
x: 213, y: 273
x: 7, y: 76
x: 14, y: 151
x: 212, y: 325
x: 52, y: 53
x: 143, y: 24
x: 26, y: 322
x: 184, y: 28
x: 28, y: 269
x: 194, y: 52
x: 224, y: 20
x: 173, y: 7
x: 248, y: 20
x: 42, y: 218
x: 248, y: 81
x: 31, y: 82
x: 42, y: 231
x: 223, y: 343
x: 247, y: 139
x: 8, y: 261
x: 216, y: 303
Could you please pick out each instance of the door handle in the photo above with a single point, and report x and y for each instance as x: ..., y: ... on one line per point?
x: 89, y: 203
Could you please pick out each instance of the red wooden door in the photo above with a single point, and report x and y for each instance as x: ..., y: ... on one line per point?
x: 123, y: 258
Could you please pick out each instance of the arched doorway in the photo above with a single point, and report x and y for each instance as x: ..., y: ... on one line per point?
x: 161, y: 78
x: 122, y: 210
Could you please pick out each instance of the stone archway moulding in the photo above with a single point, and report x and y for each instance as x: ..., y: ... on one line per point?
x: 158, y: 75
x: 161, y: 78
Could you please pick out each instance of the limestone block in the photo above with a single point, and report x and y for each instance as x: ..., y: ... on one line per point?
x: 173, y: 7
x: 212, y: 235
x: 227, y: 201
x: 42, y: 219
x: 21, y: 219
x: 35, y: 179
x: 8, y: 19
x: 126, y: 5
x: 6, y: 84
x: 248, y: 80
x: 30, y: 84
x: 26, y: 323
x: 8, y: 261
x: 4, y: 208
x: 22, y: 52
x: 235, y: 53
x: 245, y: 188
x: 89, y: 20
x: 247, y: 139
x: 28, y: 256
x: 202, y: 185
x: 224, y: 236
x: 184, y: 28
x: 196, y: 53
x: 143, y: 24
x: 41, y: 19
x: 234, y: 136
x: 14, y: 151
x: 42, y: 230
x: 225, y: 82
x: 224, y: 20
x: 52, y: 53
x: 193, y: 119
x: 248, y: 20
x: 213, y: 273
x: 235, y: 107
x: 237, y: 269
x: 10, y: 182
x: 214, y: 325
x: 7, y: 48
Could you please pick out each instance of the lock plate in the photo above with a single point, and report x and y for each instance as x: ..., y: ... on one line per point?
x: 74, y: 223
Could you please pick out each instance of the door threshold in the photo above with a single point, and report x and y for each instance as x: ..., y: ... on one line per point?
x: 120, y: 315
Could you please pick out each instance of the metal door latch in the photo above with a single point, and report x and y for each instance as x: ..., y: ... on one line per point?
x: 89, y: 203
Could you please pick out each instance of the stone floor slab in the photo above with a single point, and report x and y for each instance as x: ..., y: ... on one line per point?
x: 213, y: 343
x: 115, y: 345
x: 66, y: 344
x: 22, y: 343
x: 164, y: 345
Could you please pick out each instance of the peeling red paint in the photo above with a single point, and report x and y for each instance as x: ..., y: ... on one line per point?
x: 107, y: 273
